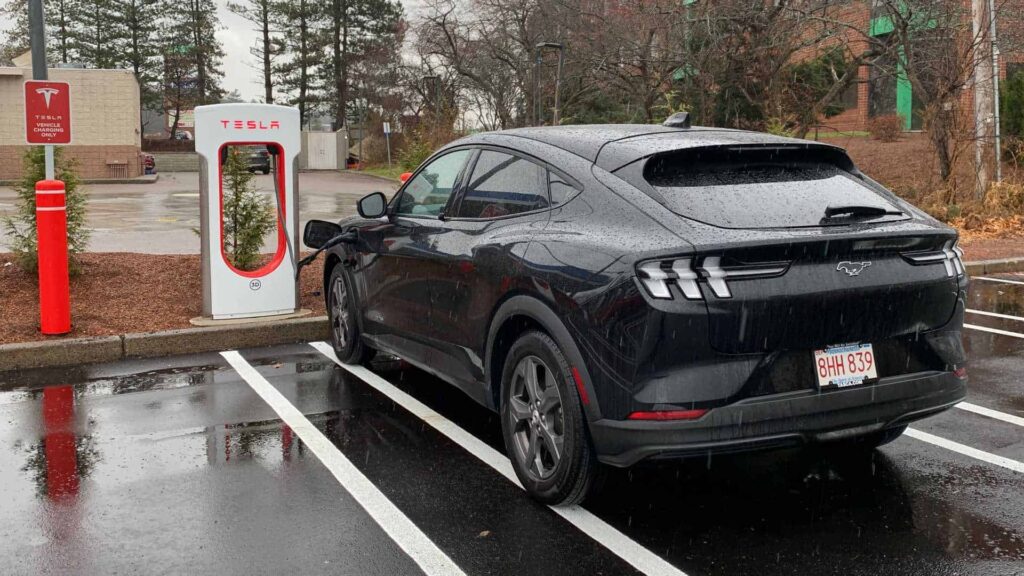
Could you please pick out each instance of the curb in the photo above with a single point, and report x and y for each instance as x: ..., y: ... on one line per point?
x: 994, y: 266
x: 77, y: 351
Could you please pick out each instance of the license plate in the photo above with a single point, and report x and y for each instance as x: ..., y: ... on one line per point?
x: 845, y: 365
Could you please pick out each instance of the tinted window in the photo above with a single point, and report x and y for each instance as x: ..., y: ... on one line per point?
x: 759, y: 189
x: 428, y: 193
x: 502, y: 185
x: 560, y: 189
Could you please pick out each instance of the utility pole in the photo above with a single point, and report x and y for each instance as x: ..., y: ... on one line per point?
x: 984, y: 113
x: 37, y: 39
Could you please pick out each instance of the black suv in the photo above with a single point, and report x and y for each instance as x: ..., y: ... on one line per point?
x: 627, y: 292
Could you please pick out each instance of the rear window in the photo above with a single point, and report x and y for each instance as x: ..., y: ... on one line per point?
x: 761, y: 188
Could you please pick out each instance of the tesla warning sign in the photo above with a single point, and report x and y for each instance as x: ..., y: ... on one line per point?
x: 47, y: 112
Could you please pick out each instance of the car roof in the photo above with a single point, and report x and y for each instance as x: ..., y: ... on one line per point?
x: 612, y: 146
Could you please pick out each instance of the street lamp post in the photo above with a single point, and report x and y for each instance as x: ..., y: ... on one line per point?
x: 556, y: 117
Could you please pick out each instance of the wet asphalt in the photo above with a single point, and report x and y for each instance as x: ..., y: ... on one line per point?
x: 177, y: 466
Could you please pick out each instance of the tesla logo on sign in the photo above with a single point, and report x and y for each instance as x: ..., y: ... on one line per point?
x: 251, y: 124
x: 852, y: 268
x: 47, y: 112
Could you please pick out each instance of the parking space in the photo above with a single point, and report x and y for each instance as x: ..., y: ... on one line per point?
x: 280, y: 460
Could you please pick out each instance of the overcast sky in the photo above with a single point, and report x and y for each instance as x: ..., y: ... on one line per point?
x: 238, y: 38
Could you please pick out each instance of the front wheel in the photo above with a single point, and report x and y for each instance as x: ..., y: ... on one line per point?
x: 543, y: 423
x: 341, y: 310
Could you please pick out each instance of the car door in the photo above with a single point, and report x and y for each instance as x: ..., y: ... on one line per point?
x: 393, y: 260
x: 503, y: 201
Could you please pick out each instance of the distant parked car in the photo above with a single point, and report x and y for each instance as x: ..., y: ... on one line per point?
x: 259, y: 160
x: 183, y: 135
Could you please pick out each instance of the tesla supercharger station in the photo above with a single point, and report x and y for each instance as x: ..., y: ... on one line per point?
x: 270, y: 290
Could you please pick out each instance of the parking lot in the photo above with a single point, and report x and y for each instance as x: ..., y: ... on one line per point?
x: 161, y: 218
x: 280, y: 460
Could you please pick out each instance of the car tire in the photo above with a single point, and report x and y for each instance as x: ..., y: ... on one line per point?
x: 543, y: 415
x: 342, y: 310
x: 266, y: 171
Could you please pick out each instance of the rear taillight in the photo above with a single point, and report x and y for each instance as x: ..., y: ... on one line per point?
x: 951, y: 256
x: 658, y: 275
x: 961, y: 372
x: 668, y: 415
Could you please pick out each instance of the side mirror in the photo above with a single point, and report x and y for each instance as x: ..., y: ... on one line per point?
x: 319, y: 232
x: 404, y: 176
x: 372, y: 205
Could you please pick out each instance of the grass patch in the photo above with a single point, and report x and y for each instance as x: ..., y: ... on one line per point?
x: 833, y: 134
x: 382, y: 170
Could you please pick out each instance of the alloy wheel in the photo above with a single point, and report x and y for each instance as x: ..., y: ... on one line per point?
x: 535, y: 408
x: 339, y: 312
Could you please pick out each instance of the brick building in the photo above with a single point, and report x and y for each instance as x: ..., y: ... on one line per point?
x: 105, y: 121
x: 876, y: 93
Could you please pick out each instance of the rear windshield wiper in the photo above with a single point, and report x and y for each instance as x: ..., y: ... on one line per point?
x: 859, y: 211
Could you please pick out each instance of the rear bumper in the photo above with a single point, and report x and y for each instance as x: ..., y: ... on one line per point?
x: 781, y: 420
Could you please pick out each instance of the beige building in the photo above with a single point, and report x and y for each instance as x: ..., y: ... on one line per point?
x: 105, y: 139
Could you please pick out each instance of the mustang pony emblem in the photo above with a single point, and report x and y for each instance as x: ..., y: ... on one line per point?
x: 852, y: 268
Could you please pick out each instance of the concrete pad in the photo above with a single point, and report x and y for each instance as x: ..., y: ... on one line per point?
x: 249, y: 335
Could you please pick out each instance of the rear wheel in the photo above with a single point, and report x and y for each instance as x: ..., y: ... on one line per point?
x: 543, y: 423
x: 341, y: 310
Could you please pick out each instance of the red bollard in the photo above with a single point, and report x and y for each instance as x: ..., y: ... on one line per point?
x: 52, y: 236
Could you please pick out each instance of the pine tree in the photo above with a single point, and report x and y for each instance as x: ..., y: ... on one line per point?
x: 248, y: 216
x: 21, y: 226
x: 268, y: 45
x: 94, y: 37
x: 191, y: 29
x: 354, y: 28
x: 136, y: 25
x: 297, y: 73
x: 61, y: 29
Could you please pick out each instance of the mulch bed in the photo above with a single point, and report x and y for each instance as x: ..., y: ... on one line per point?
x: 119, y: 293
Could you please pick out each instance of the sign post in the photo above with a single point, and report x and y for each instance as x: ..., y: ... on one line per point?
x: 387, y: 138
x: 48, y: 122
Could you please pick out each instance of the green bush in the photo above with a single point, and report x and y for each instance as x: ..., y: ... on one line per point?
x: 21, y: 226
x: 248, y: 215
x: 416, y: 149
x: 1011, y: 105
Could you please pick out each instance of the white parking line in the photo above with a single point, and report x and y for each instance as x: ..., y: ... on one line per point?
x: 1004, y: 281
x: 397, y: 525
x: 995, y: 315
x: 993, y: 330
x: 611, y: 538
x: 991, y: 413
x: 966, y: 450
